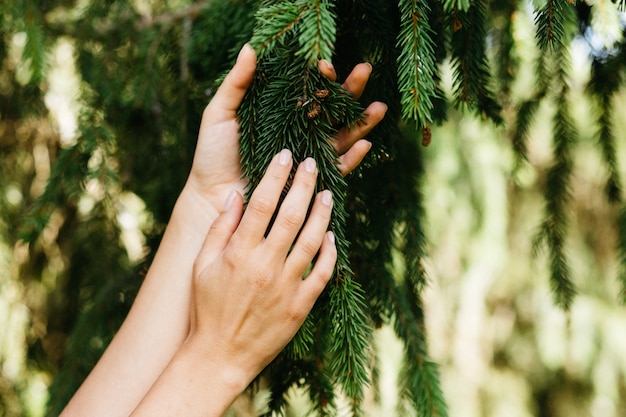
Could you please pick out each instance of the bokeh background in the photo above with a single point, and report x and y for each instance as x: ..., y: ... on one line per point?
x: 504, y: 347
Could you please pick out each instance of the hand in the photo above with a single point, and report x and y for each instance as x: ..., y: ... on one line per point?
x: 216, y: 169
x: 249, y: 298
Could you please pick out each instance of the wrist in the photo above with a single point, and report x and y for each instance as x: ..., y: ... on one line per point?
x: 193, y: 212
x: 231, y: 377
x: 193, y: 384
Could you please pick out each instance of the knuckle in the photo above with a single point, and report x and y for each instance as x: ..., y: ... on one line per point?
x: 307, y: 181
x: 261, y: 205
x: 291, y: 218
x: 261, y: 278
x: 233, y: 258
x: 310, y: 247
x: 297, y: 313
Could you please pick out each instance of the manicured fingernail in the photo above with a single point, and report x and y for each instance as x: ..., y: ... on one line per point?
x: 309, y: 165
x: 331, y: 237
x: 327, y: 197
x: 244, y: 48
x: 229, y: 200
x: 284, y: 157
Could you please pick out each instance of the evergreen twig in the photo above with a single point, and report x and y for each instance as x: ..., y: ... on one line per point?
x: 469, y: 59
x: 416, y: 63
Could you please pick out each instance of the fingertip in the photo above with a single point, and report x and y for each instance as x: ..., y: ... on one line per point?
x: 284, y: 157
x: 357, y: 79
x: 324, y: 267
x: 327, y: 198
x: 225, y: 224
x: 330, y: 236
x: 367, y: 145
x: 229, y: 95
x: 246, y: 54
x: 354, y: 156
x: 377, y: 107
x: 245, y: 65
x: 328, y: 257
x: 327, y: 69
x: 233, y: 207
x: 229, y: 200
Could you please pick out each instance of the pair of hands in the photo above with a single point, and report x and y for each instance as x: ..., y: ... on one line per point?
x: 221, y: 298
x: 249, y: 298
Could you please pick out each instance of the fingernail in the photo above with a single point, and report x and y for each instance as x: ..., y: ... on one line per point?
x: 369, y: 144
x: 369, y: 65
x: 229, y: 200
x: 243, y: 48
x: 284, y: 157
x: 331, y: 237
x: 309, y: 165
x: 327, y: 197
x: 327, y: 64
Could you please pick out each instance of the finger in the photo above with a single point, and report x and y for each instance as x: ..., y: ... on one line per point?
x: 294, y: 208
x: 228, y: 97
x: 264, y: 201
x: 347, y: 137
x: 355, y: 83
x: 221, y: 230
x: 310, y: 239
x: 327, y: 69
x: 311, y: 288
x: 351, y: 159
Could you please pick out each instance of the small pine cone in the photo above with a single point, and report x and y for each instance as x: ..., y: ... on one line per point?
x: 427, y: 136
x: 322, y: 93
x: 316, y: 108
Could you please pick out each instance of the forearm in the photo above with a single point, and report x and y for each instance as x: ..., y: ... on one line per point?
x: 157, y: 323
x: 194, y: 384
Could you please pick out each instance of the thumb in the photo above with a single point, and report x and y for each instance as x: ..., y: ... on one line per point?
x: 222, y: 229
x: 228, y: 97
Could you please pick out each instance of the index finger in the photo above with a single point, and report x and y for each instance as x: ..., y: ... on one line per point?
x: 264, y: 201
x: 355, y: 83
x: 228, y: 97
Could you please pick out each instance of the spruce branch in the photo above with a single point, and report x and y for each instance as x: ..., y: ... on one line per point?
x: 416, y: 62
x: 274, y: 23
x: 507, y: 62
x: 350, y: 347
x: 553, y: 229
x: 420, y: 376
x: 525, y: 116
x: 453, y: 5
x: 606, y: 81
x: 606, y: 142
x: 551, y: 24
x: 471, y: 66
x: 292, y: 105
x: 317, y: 32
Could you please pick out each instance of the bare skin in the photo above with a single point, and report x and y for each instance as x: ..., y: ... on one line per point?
x: 174, y: 325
